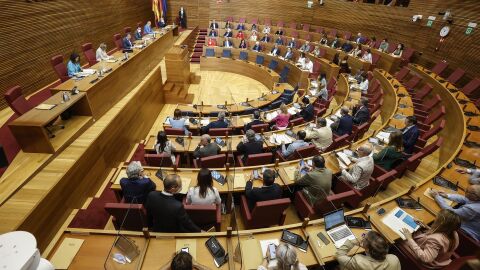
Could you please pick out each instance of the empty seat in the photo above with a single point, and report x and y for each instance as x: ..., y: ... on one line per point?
x: 117, y: 39
x: 264, y: 214
x: 440, y: 67
x: 347, y: 35
x: 127, y: 216
x: 255, y: 21
x: 402, y: 74
x: 89, y: 54
x: 60, y: 68
x: 306, y: 27
x: 412, y: 83
x: 456, y: 76
x: 255, y: 159
x: 219, y: 132
x: 306, y: 210
x: 17, y: 101
x: 174, y: 131
x: 162, y: 160
x: 472, y: 88
x: 127, y: 29
x: 216, y: 161
x: 293, y: 25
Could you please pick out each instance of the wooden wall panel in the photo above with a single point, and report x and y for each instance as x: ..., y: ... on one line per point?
x: 33, y: 32
x: 381, y: 21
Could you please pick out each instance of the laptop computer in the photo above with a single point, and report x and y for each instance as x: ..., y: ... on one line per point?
x: 336, y: 228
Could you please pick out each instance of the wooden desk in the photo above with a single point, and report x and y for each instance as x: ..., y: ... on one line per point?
x: 104, y: 93
x: 428, y: 203
x: 30, y: 129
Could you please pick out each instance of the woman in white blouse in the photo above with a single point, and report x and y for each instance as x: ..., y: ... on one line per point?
x: 253, y: 37
x: 101, y: 53
x: 357, y: 51
x: 266, y: 30
x: 204, y: 192
x: 367, y: 56
x: 163, y: 145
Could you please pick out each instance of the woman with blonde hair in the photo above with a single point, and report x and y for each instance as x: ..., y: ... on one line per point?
x: 435, y: 246
x: 285, y: 259
x: 282, y: 120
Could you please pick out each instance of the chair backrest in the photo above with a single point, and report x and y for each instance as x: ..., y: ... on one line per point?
x: 216, y: 161
x: 89, y: 54
x: 219, y: 131
x: 202, y: 215
x: 259, y: 159
x: 456, y: 76
x: 243, y: 55
x: 139, y: 24
x: 294, y: 34
x: 337, y: 142
x: 127, y: 29
x: 331, y: 84
x: 433, y: 131
x: 117, y: 39
x: 347, y: 35
x: 375, y: 58
x: 174, y: 131
x: 260, y: 59
x: 307, y: 151
x: 258, y: 128
x: 242, y: 20
x: 158, y: 160
x: 316, y: 67
x: 402, y: 73
x: 306, y: 27
x: 413, y: 82
x: 17, y: 101
x: 268, y: 213
x: 296, y: 122
x: 429, y: 104
x: 136, y: 219
x: 229, y: 18
x: 280, y: 24
x: 432, y: 117
x: 293, y: 25
x: 471, y: 87
x: 337, y: 200
x: 333, y: 32
x: 426, y: 89
x: 440, y: 67
x: 407, y: 54
x: 209, y: 52
x: 227, y: 53
x: 273, y: 65
x: 59, y: 67
x: 392, y: 47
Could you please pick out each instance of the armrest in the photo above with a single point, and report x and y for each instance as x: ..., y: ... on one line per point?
x: 240, y: 162
x: 177, y: 161
x: 302, y: 205
x: 244, y: 208
x: 280, y: 156
x: 342, y: 186
x: 197, y: 163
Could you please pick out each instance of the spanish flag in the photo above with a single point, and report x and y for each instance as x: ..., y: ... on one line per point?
x: 159, y: 8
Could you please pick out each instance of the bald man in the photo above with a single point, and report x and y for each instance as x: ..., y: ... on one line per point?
x: 164, y: 212
x: 206, y: 148
x: 359, y: 174
x: 469, y: 209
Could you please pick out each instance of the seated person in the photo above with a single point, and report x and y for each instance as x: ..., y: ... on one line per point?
x: 316, y: 182
x: 336, y: 59
x: 253, y: 36
x: 206, y: 148
x: 367, y: 56
x: 161, y: 23
x: 178, y: 122
x: 474, y: 178
x: 391, y: 153
x: 253, y: 28
x: 347, y: 47
x: 398, y: 51
x: 240, y: 35
x: 320, y: 135
x: 136, y: 186
x: 101, y: 53
x: 213, y: 25
x: 335, y: 43
x: 243, y: 44
x: 219, y: 123
x: 163, y: 145
x: 383, y: 45
x: 363, y: 85
x: 269, y: 190
x: 257, y: 47
x: 241, y: 27
x: 279, y: 40
x: 321, y: 85
x: 138, y: 33
x: 373, y: 42
x: 228, y: 25
x: 266, y: 30
x: 127, y: 42
x: 324, y: 39
x: 307, y: 112
x: 73, y: 65
x: 344, y: 67
x: 265, y: 38
x: 285, y: 259
x: 361, y: 113
x: 279, y: 32
x: 468, y: 208
x: 183, y: 261
x: 305, y: 47
x: 433, y: 247
x: 249, y: 145
x: 299, y: 143
x: 344, y: 124
x: 147, y: 29
x: 164, y: 212
x: 282, y: 120
x: 204, y: 192
x: 288, y: 54
x: 376, y: 254
x: 410, y: 134
x: 357, y: 52
x: 228, y: 33
x: 301, y: 60
x: 359, y: 174
x: 275, y: 50
x: 212, y: 42
x: 213, y: 33
x: 316, y: 51
x: 292, y: 43
x: 256, y: 121
x: 227, y: 43
x: 307, y: 65
x: 360, y: 39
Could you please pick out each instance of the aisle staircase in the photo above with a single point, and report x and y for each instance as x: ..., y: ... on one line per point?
x: 198, y: 49
x: 178, y: 93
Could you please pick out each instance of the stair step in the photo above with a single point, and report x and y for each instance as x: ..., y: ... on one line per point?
x: 168, y: 86
x: 177, y: 89
x: 195, y: 60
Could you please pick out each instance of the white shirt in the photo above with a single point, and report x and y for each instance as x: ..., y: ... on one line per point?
x: 211, y: 197
x: 266, y: 30
x: 253, y: 37
x: 101, y: 55
x: 363, y: 86
x: 308, y: 66
x: 367, y: 57
x: 301, y: 62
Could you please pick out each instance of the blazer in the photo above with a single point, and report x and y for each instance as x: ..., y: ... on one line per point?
x: 345, y: 125
x: 364, y: 262
x: 136, y: 188
x: 210, y: 149
x: 360, y: 172
x: 321, y: 137
x: 279, y: 32
x: 166, y: 214
x: 256, y: 48
x: 253, y: 123
x: 138, y: 35
x: 127, y: 44
x: 292, y: 44
x: 361, y: 115
x: 240, y: 27
x: 213, y: 26
x: 265, y: 39
x: 264, y: 193
x: 228, y: 34
x: 215, y: 124
x: 308, y: 113
x: 161, y: 24
x: 213, y: 34
x: 316, y: 184
x: 279, y: 41
x: 275, y: 51
x: 387, y: 157
x: 249, y: 148
x: 410, y: 137
x: 288, y: 55
x: 347, y: 47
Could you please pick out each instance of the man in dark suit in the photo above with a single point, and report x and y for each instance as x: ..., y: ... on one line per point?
x: 275, y: 50
x: 279, y: 41
x: 360, y: 39
x: 213, y: 33
x: 127, y: 42
x: 292, y: 43
x: 308, y: 112
x: 219, y: 123
x: 227, y: 43
x: 347, y: 47
x: 257, y: 47
x: 343, y: 125
x: 265, y: 38
x: 182, y: 15
x: 213, y: 25
x: 206, y: 148
x: 136, y: 186
x: 269, y: 191
x: 335, y: 43
x: 361, y: 113
x: 165, y: 213
x: 279, y: 32
x: 228, y: 33
x: 249, y: 145
x: 410, y: 134
x: 256, y: 121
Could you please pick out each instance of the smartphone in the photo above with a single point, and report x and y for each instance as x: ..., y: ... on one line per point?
x: 381, y: 211
x: 272, y: 251
x: 323, y: 238
x: 255, y: 174
x: 185, y: 249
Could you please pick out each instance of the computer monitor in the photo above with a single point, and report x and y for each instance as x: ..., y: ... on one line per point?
x: 333, y: 219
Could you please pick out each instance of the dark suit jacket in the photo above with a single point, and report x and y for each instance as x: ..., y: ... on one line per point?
x: 249, y: 148
x: 161, y: 25
x: 279, y: 32
x: 240, y: 27
x: 279, y: 41
x: 345, y: 125
x: 265, y: 39
x: 257, y: 48
x: 215, y: 124
x: 277, y: 52
x: 307, y: 113
x: 255, y: 195
x: 228, y: 34
x: 210, y: 149
x: 347, y: 47
x: 410, y: 139
x: 361, y: 115
x: 213, y: 34
x: 292, y: 44
x: 253, y: 123
x: 127, y: 44
x: 166, y: 214
x: 138, y: 35
x: 136, y: 188
x: 214, y: 25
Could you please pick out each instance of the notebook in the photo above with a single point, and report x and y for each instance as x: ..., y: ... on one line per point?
x: 44, y: 106
x: 398, y: 219
x: 239, y: 180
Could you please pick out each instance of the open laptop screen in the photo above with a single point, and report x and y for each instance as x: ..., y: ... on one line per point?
x: 333, y: 219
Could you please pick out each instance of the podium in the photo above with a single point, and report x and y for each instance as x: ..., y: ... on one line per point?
x: 177, y: 65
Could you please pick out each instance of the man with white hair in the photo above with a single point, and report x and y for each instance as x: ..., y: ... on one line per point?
x: 206, y: 148
x: 257, y: 47
x: 249, y: 145
x: 359, y: 174
x: 219, y: 123
x: 360, y: 39
x: 468, y: 209
x: 136, y: 187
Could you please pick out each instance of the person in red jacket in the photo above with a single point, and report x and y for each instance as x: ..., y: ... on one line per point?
x: 212, y: 42
x: 240, y: 35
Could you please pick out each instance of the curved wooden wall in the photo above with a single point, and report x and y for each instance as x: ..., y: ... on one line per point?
x: 34, y: 32
x: 381, y: 21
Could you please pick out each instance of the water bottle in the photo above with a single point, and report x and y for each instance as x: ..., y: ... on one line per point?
x: 65, y: 96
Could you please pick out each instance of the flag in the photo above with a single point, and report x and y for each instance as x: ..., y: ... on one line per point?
x: 159, y: 8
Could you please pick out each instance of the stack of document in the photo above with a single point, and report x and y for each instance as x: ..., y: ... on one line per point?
x: 167, y: 121
x: 280, y: 138
x: 293, y: 110
x: 111, y: 60
x: 270, y: 116
x: 398, y: 219
x: 205, y: 122
x: 343, y: 160
x: 86, y: 72
x: 383, y: 136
